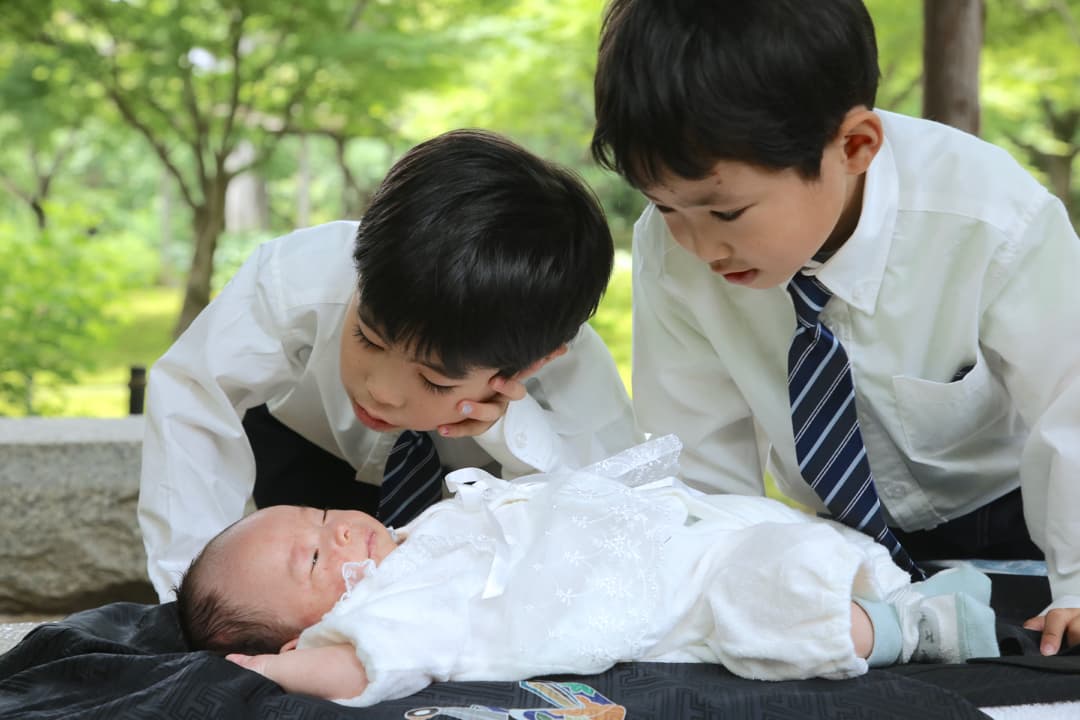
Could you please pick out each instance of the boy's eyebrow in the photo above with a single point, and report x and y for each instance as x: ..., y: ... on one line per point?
x: 426, y: 362
x: 712, y: 196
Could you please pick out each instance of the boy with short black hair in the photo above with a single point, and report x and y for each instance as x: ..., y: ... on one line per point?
x: 882, y: 307
x: 314, y: 380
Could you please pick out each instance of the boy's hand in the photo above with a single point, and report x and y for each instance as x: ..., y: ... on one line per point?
x: 479, y: 416
x: 1055, y: 625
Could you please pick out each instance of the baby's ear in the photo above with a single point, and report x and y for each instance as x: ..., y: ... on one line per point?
x: 291, y: 645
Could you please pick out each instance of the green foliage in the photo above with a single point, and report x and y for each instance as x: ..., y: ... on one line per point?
x: 112, y: 104
x: 612, y: 319
x: 55, y: 285
x: 1031, y: 88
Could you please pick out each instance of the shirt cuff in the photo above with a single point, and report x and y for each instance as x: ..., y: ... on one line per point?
x: 522, y: 440
x: 1065, y: 601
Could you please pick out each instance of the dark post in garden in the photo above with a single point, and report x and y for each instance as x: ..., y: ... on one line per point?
x: 137, y: 385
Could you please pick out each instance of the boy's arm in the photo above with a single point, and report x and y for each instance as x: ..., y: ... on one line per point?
x: 332, y: 672
x: 1032, y: 327
x: 197, y: 465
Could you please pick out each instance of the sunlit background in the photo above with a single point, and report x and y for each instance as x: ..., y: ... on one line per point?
x: 147, y: 146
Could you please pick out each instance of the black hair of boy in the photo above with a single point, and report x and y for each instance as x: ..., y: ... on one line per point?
x: 681, y: 85
x: 210, y: 621
x: 478, y: 254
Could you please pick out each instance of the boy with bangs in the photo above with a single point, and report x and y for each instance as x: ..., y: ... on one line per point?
x: 880, y: 309
x: 349, y: 365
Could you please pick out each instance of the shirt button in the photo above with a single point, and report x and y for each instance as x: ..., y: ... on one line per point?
x: 521, y: 440
x: 892, y: 491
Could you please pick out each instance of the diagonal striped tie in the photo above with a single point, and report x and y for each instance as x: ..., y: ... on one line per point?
x: 412, y: 480
x: 828, y: 443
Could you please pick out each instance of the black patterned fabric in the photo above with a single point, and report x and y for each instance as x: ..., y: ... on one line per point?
x: 128, y: 661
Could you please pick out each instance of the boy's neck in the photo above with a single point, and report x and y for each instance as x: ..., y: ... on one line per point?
x: 849, y: 218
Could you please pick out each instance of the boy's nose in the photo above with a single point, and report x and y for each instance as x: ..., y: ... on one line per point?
x: 383, y: 393
x: 342, y: 534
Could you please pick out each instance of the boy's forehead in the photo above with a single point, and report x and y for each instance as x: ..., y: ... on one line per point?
x: 411, y: 350
x: 717, y: 186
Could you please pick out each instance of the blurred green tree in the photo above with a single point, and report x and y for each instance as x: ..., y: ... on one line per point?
x: 55, y: 284
x: 1031, y: 88
x: 203, y: 79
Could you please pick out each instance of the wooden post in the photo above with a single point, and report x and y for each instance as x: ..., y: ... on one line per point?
x: 137, y: 385
x: 952, y: 41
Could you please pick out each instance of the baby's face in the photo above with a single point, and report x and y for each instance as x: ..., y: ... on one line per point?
x: 286, y: 560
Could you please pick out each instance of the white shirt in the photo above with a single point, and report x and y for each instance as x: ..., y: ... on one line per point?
x: 574, y: 572
x: 272, y: 336
x: 960, y: 259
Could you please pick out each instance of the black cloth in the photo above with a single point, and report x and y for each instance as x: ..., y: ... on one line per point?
x: 128, y: 661
x: 292, y: 470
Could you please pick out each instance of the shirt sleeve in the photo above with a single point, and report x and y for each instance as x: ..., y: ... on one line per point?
x: 681, y: 386
x: 1032, y: 327
x: 577, y: 412
x: 197, y: 465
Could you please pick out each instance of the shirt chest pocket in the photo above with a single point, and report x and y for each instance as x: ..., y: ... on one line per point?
x: 940, y: 417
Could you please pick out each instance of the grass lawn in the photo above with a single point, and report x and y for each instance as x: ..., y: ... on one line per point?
x: 143, y: 332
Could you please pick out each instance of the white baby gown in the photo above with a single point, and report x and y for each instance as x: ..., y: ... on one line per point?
x: 573, y: 572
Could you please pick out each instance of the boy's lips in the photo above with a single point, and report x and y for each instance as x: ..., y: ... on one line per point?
x: 369, y: 420
x: 742, y: 277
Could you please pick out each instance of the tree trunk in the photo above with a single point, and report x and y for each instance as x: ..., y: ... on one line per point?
x: 166, y: 276
x: 303, y: 184
x: 953, y: 36
x: 209, y: 223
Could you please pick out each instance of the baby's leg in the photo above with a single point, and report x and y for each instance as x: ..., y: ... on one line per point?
x: 862, y: 631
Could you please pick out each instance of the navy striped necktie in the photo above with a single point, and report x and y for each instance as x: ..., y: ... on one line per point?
x: 828, y: 443
x: 412, y: 480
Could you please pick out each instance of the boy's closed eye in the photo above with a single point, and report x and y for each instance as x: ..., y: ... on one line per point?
x: 359, y: 334
x: 437, y: 388
x: 729, y: 215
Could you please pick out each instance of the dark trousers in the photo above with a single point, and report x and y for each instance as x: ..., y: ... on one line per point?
x: 996, y: 531
x: 291, y: 470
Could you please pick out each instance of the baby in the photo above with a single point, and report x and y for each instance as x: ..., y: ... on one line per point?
x: 565, y: 573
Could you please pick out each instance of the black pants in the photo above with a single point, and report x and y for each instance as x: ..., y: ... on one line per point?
x: 996, y: 531
x: 291, y: 470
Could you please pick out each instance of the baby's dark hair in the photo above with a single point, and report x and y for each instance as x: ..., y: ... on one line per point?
x: 211, y: 621
x: 479, y: 254
x: 682, y: 84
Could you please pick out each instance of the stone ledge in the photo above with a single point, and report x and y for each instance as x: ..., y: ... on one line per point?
x: 69, y: 537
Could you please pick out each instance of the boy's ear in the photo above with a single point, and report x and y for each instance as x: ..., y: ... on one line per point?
x: 291, y: 645
x: 860, y: 138
x: 561, y: 350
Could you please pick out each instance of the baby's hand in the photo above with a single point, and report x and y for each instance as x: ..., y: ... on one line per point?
x: 479, y: 416
x: 331, y: 671
x: 256, y: 663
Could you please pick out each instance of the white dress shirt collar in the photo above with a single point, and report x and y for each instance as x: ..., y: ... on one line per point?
x: 854, y: 273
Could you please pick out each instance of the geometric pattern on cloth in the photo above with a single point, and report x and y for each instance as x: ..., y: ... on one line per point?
x: 828, y: 443
x: 412, y: 480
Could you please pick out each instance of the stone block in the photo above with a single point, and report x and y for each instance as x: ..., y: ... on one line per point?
x: 69, y: 537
